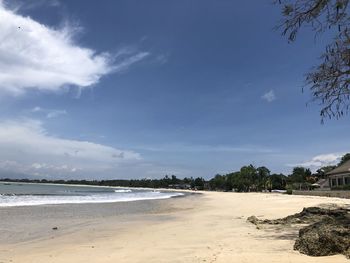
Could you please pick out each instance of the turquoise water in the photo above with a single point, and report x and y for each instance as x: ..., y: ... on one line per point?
x: 24, y: 194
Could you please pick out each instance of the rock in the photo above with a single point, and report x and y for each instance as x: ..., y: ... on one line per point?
x: 306, y: 216
x: 253, y: 219
x: 55, y: 228
x: 328, y: 237
x: 327, y: 233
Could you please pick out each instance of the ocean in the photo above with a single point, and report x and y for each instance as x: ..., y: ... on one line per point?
x: 28, y: 194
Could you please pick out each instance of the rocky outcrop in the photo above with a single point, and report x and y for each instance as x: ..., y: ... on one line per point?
x: 327, y: 233
x: 306, y: 216
x: 328, y: 237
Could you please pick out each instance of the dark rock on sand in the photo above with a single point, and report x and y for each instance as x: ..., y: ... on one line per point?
x: 327, y: 233
x: 254, y: 220
x: 306, y: 216
x: 328, y: 237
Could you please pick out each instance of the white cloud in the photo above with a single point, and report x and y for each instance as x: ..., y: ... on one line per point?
x: 55, y: 113
x: 36, y: 109
x: 27, y: 148
x: 321, y: 160
x: 35, y: 56
x: 269, y: 96
x: 49, y: 113
x: 162, y: 58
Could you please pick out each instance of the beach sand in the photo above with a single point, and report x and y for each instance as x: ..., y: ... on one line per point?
x: 210, y: 227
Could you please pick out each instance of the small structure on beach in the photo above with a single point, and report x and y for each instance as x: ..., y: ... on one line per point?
x: 340, y: 176
x: 322, y: 184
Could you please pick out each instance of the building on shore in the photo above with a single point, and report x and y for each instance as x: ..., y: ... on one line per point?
x: 340, y: 176
x: 322, y: 184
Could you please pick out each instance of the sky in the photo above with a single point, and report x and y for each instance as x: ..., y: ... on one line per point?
x: 140, y: 89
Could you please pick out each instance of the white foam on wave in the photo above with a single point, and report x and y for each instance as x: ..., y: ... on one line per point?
x: 33, y: 200
x: 123, y: 191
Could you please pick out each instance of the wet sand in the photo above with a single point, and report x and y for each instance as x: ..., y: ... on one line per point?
x: 211, y: 227
x: 30, y: 223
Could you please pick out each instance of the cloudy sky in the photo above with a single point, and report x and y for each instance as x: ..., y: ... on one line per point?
x: 135, y: 89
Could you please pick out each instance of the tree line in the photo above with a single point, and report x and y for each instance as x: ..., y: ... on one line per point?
x: 248, y: 179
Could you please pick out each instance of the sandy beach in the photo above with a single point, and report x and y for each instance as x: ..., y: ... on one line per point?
x: 210, y: 227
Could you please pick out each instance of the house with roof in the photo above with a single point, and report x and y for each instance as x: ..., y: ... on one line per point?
x: 340, y: 176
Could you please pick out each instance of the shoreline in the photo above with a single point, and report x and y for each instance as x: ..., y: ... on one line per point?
x: 107, y: 186
x: 57, y: 196
x: 79, y: 185
x: 31, y: 223
x: 210, y: 227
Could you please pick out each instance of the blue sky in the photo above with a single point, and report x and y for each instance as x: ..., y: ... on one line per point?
x: 135, y: 89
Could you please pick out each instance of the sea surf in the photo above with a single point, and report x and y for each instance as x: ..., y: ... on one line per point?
x: 25, y: 194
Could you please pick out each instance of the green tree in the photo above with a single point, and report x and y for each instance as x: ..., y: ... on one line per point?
x: 248, y: 178
x: 199, y: 183
x: 263, y: 176
x: 345, y: 158
x: 278, y: 181
x: 238, y: 182
x: 299, y: 176
x: 329, y: 81
x: 174, y: 180
x: 188, y: 180
x: 321, y: 172
x: 221, y: 182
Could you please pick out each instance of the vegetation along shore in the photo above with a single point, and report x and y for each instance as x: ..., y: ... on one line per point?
x: 247, y: 179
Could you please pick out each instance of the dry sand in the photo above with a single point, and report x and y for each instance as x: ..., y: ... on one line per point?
x: 207, y: 228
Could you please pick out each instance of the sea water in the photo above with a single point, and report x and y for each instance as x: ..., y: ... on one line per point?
x: 29, y: 194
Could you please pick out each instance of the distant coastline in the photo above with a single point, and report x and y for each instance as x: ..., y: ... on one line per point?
x: 248, y: 179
